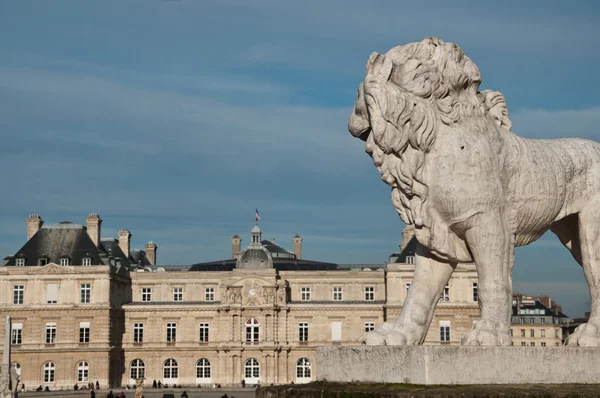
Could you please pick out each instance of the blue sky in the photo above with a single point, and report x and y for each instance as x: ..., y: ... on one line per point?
x: 176, y: 119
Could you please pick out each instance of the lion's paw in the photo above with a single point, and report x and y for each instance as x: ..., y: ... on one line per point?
x: 377, y: 336
x: 487, y: 333
x: 586, y: 335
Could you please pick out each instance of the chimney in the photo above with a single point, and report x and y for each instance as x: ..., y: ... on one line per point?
x: 298, y: 246
x: 94, y: 222
x: 236, y: 245
x: 34, y: 223
x: 407, y: 235
x: 151, y: 252
x: 124, y: 241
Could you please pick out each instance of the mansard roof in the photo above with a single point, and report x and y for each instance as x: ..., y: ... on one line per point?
x: 53, y: 242
x: 409, y: 250
x: 279, y: 263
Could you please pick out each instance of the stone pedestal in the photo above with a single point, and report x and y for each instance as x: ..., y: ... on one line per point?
x: 446, y: 365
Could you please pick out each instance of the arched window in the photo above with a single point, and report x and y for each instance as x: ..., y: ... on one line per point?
x: 251, y: 371
x: 82, y: 371
x: 138, y: 369
x: 203, y: 370
x: 252, y: 330
x: 170, y: 370
x: 303, y: 371
x: 49, y: 369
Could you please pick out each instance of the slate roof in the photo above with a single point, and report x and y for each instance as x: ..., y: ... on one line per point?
x: 409, y: 250
x: 276, y: 249
x: 280, y: 264
x: 53, y: 242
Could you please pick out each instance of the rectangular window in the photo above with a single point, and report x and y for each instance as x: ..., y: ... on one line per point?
x: 543, y: 344
x: 204, y: 332
x: 410, y: 259
x: 543, y: 333
x: 50, y: 333
x: 17, y: 334
x: 542, y: 320
x: 209, y: 294
x: 369, y: 293
x: 305, y: 293
x: 171, y: 332
x: 18, y: 294
x: 523, y: 343
x: 42, y: 261
x: 147, y: 294
x: 522, y: 332
x: 338, y: 294
x: 533, y: 344
x: 20, y: 262
x: 138, y: 332
x: 51, y: 293
x: 84, y: 332
x: 531, y: 332
x: 87, y: 261
x: 475, y: 288
x: 369, y: 326
x: 177, y: 294
x: 511, y: 333
x: 85, y: 293
x: 64, y: 261
x: 336, y: 331
x: 303, y: 331
x: 446, y: 293
x: 557, y: 333
x: 444, y: 331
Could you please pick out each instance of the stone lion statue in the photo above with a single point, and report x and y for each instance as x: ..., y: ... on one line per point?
x: 472, y: 189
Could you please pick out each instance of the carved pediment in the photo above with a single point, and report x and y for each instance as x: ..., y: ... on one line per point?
x: 251, y: 292
x: 52, y: 268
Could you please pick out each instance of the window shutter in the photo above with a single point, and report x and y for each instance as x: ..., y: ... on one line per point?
x: 336, y: 331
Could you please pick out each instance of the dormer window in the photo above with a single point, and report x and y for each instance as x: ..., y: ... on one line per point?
x: 42, y: 261
x: 410, y: 259
x: 20, y: 262
x: 87, y: 261
x: 65, y: 261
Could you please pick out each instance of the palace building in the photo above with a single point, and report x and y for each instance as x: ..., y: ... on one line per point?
x: 87, y: 308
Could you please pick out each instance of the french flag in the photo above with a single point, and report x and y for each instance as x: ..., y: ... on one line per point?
x: 257, y: 216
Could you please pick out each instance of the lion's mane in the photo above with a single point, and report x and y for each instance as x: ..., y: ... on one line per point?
x: 431, y: 82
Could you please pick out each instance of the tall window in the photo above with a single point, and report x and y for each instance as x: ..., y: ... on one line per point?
x: 16, y: 334
x: 82, y: 371
x: 369, y: 326
x: 252, y: 330
x: 203, y: 369
x: 251, y: 369
x: 303, y: 369
x: 138, y: 332
x: 410, y: 259
x: 137, y: 370
x: 543, y: 344
x: 86, y: 261
x: 171, y: 332
x: 18, y: 294
x: 338, y: 293
x: 20, y: 262
x: 475, y: 289
x: 146, y: 294
x: 204, y: 332
x: 336, y: 331
x: 303, y: 331
x: 209, y: 294
x: 170, y: 369
x: 305, y: 293
x: 50, y: 333
x: 531, y: 332
x: 84, y: 332
x: 369, y: 293
x: 49, y: 369
x: 51, y: 293
x: 557, y: 333
x: 543, y: 333
x: 445, y: 293
x: 533, y: 344
x: 85, y: 293
x: 177, y: 294
x: 444, y: 331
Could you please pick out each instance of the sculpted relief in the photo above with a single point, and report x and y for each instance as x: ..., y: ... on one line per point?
x: 472, y: 189
x: 253, y: 292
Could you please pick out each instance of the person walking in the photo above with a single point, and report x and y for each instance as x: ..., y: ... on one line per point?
x: 110, y: 394
x: 92, y: 393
